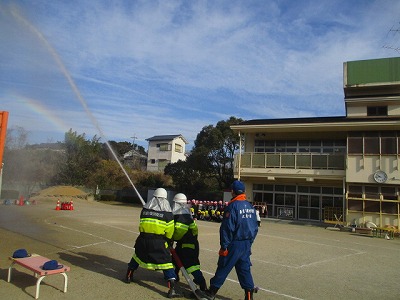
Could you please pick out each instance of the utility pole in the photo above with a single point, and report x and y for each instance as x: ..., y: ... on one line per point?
x: 133, y: 150
x: 134, y: 138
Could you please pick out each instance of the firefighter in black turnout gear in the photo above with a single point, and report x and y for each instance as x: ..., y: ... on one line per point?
x: 152, y: 247
x: 187, y: 244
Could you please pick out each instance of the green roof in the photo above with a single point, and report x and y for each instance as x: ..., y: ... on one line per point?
x: 384, y: 71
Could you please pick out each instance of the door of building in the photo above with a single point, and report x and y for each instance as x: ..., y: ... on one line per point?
x: 309, y: 207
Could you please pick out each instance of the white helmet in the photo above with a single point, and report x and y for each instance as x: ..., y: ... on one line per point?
x: 160, y: 193
x: 180, y: 198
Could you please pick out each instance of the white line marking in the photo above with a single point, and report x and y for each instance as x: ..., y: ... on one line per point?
x: 105, y: 240
x: 260, y: 288
x: 94, y: 235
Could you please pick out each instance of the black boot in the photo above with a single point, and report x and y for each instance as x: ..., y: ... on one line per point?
x: 203, y: 286
x: 248, y: 294
x: 177, y: 274
x: 201, y: 282
x: 129, y: 275
x: 211, y: 292
x: 172, y: 292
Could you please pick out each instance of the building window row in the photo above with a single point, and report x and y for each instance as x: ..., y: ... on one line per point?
x: 375, y: 111
x: 309, y: 146
x: 373, y: 143
x: 373, y: 192
x: 299, y: 202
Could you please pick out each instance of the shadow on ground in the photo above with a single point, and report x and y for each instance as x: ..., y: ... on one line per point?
x: 23, y: 280
x: 115, y: 269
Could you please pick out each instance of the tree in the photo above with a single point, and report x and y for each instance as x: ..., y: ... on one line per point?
x: 209, y: 167
x: 219, y: 143
x: 82, y: 158
x: 17, y: 138
x: 108, y: 175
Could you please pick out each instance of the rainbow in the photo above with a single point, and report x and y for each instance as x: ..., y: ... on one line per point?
x: 43, y: 113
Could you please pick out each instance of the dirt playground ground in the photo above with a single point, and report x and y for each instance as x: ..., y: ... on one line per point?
x: 96, y: 240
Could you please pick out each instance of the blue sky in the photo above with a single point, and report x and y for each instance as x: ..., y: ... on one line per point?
x: 119, y: 69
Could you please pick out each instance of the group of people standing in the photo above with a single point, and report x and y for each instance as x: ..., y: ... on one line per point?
x: 162, y: 226
x: 207, y: 210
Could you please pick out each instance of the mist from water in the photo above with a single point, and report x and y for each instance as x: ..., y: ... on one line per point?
x: 74, y: 88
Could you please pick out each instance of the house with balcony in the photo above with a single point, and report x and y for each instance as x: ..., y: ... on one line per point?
x: 343, y: 168
x: 165, y: 149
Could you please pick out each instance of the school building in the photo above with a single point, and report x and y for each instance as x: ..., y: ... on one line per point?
x: 331, y: 168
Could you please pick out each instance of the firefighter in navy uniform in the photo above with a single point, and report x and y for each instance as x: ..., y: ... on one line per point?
x: 187, y: 244
x: 152, y: 247
x: 237, y: 233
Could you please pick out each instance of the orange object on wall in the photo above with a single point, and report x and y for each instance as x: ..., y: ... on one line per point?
x: 3, y: 131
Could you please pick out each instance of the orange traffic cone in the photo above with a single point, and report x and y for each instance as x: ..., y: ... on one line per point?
x: 72, y: 205
x: 58, y: 205
x: 21, y: 200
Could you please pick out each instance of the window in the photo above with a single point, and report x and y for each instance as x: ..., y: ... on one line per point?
x: 152, y: 161
x: 327, y: 201
x: 162, y: 163
x: 355, y: 191
x: 257, y: 197
x: 388, y: 145
x: 356, y: 205
x: 163, y: 147
x: 389, y: 207
x: 371, y: 206
x: 178, y: 148
x: 371, y: 192
x: 373, y: 111
x: 371, y: 143
x: 389, y: 193
x: 355, y: 145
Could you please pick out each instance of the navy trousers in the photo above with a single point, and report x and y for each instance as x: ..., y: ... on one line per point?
x: 239, y: 257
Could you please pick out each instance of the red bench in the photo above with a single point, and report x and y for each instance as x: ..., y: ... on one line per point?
x: 35, y: 263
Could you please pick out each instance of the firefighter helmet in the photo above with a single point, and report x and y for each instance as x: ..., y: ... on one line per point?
x: 160, y: 193
x: 180, y: 198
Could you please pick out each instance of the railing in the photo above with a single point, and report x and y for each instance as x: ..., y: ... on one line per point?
x: 323, y: 161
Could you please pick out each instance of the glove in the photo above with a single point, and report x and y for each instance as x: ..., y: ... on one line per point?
x: 223, y: 252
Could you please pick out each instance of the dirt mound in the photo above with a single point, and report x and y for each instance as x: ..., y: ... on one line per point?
x: 62, y: 192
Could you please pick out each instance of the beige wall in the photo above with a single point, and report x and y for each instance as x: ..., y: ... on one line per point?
x: 361, y: 169
x: 394, y: 110
x: 356, y: 111
x: 175, y: 156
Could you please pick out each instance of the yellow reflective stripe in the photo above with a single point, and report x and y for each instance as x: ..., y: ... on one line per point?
x: 193, y: 268
x: 169, y: 229
x: 181, y: 226
x: 194, y: 228
x: 151, y: 266
x: 180, y: 230
x: 178, y: 234
x: 190, y: 246
x: 150, y: 225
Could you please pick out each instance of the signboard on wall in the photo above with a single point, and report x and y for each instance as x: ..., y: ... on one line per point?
x: 285, y: 212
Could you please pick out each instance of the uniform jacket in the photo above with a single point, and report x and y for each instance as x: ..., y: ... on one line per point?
x: 152, y: 245
x: 239, y: 222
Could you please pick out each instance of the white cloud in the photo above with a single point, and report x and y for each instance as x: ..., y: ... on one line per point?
x: 166, y: 67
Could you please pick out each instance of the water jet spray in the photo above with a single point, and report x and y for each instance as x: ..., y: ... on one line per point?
x: 75, y: 89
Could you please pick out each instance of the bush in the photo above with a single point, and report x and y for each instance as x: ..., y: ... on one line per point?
x: 108, y: 197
